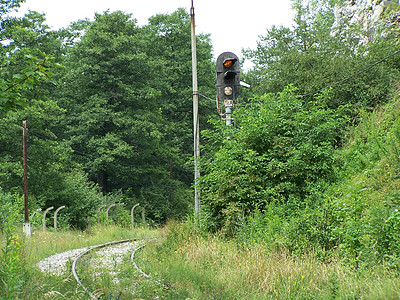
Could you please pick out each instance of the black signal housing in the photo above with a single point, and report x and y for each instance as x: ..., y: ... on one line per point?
x: 228, y: 77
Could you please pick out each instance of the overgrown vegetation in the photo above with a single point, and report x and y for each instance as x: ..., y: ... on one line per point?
x: 115, y: 119
x: 282, y: 152
x: 300, y: 199
x: 212, y: 267
x: 305, y: 170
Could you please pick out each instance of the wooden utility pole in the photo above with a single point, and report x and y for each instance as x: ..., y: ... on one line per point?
x: 27, y: 225
x: 196, y: 133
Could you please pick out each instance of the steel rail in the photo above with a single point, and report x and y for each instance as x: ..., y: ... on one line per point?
x: 86, y: 252
x: 148, y: 276
x: 135, y: 265
x: 74, y: 264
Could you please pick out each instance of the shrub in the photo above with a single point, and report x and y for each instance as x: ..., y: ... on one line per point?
x: 11, y: 207
x: 11, y: 265
x: 280, y: 149
x: 81, y: 198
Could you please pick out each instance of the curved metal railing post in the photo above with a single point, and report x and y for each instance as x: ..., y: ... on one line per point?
x: 108, y: 209
x: 132, y: 213
x: 44, y: 217
x: 98, y: 214
x: 55, y: 217
x: 35, y: 212
x: 112, y: 205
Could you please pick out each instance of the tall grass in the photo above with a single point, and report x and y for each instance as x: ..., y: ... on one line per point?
x: 194, y: 265
x: 211, y: 267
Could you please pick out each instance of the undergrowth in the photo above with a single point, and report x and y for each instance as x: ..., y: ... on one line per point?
x: 212, y: 267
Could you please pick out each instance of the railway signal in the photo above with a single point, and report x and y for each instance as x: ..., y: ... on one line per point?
x: 228, y: 82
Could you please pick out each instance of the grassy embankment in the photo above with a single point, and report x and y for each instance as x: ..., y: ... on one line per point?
x: 201, y: 267
x: 214, y: 268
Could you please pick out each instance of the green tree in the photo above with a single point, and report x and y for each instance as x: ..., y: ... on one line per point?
x: 26, y: 71
x: 106, y: 96
x: 7, y: 6
x: 27, y: 77
x: 169, y: 44
x: 120, y: 89
x: 311, y: 57
x: 22, y: 61
x: 280, y: 153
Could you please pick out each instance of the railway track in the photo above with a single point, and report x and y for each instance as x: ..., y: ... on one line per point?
x: 90, y: 266
x: 106, y: 257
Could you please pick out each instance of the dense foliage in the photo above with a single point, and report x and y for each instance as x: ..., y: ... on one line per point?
x: 289, y: 174
x: 310, y: 164
x: 312, y: 55
x: 126, y: 91
x: 108, y: 107
x: 280, y: 151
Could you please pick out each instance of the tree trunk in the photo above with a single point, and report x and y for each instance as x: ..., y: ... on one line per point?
x: 102, y: 180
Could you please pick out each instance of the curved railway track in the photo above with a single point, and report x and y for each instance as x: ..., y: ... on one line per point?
x: 96, y: 261
x: 139, y: 245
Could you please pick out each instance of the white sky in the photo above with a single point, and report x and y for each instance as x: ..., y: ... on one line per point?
x: 248, y: 19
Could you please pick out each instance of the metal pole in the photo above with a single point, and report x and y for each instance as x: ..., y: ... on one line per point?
x: 137, y: 204
x: 27, y: 225
x: 228, y: 116
x: 112, y: 205
x: 44, y: 217
x: 98, y: 214
x: 35, y: 212
x: 196, y: 132
x: 55, y: 217
x: 144, y: 215
x: 108, y: 209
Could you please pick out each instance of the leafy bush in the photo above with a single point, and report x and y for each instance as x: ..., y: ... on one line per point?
x: 280, y: 150
x: 81, y: 197
x: 266, y: 228
x: 11, y: 264
x: 365, y: 202
x: 307, y: 230
x: 168, y: 199
x: 388, y: 236
x: 10, y: 210
x: 366, y: 229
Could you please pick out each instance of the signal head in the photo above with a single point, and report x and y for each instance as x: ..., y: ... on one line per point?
x: 228, y: 76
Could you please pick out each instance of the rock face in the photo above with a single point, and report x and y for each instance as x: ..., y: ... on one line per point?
x: 367, y: 14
